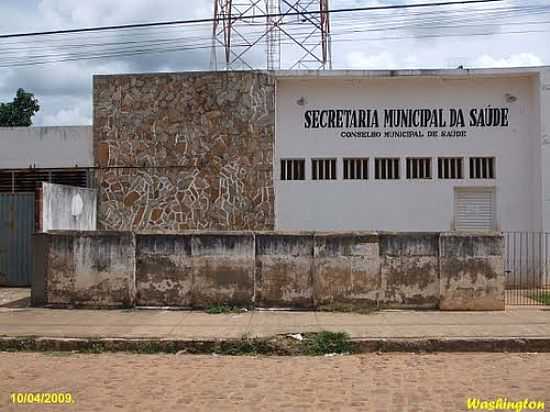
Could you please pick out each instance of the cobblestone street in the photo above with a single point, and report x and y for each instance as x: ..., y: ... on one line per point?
x: 386, y: 382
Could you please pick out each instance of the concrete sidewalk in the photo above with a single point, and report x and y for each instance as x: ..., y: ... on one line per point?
x: 183, y: 325
x: 520, y: 327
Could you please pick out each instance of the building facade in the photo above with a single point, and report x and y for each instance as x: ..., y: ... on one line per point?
x: 29, y: 157
x: 427, y: 150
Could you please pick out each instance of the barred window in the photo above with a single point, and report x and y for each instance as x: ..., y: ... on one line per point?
x: 356, y: 169
x: 386, y: 168
x: 419, y: 168
x: 450, y: 168
x: 293, y: 169
x: 28, y: 180
x: 482, y: 167
x: 323, y: 169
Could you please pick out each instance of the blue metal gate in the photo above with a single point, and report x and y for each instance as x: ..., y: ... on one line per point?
x: 16, y: 229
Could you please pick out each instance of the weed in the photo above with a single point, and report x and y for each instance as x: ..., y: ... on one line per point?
x: 315, y: 344
x: 94, y: 348
x: 223, y: 308
x: 543, y: 297
x: 244, y: 346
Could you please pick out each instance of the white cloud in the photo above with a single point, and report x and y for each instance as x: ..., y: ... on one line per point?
x: 362, y: 60
x: 515, y: 60
x: 67, y: 117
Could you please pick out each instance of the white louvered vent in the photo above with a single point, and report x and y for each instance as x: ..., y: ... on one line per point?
x: 475, y: 209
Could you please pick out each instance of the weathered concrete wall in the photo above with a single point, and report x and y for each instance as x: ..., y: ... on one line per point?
x: 68, y: 208
x: 40, y: 269
x: 164, y: 274
x: 223, y: 268
x: 84, y: 269
x: 409, y: 269
x: 204, y: 146
x: 347, y: 268
x: 302, y: 270
x: 284, y: 270
x: 195, y: 270
x: 472, y: 272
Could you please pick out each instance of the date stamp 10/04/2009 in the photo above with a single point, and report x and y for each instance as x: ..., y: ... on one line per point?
x: 41, y: 398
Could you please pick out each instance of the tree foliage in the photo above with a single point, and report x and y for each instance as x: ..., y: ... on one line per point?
x: 20, y: 111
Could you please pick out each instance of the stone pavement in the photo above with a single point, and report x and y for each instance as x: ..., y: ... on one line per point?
x: 187, y: 325
x: 400, y: 382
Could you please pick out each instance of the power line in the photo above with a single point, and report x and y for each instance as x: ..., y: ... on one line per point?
x: 209, y: 20
x: 142, y: 51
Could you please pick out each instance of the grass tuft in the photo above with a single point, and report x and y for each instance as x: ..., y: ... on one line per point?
x: 223, y: 308
x: 543, y: 297
x: 325, y: 342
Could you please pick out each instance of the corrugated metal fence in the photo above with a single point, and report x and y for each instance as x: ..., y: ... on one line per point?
x: 527, y: 264
x: 16, y: 229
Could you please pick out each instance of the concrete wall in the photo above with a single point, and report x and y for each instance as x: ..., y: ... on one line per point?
x: 164, y: 273
x: 195, y: 270
x: 303, y: 270
x: 471, y: 272
x: 46, y: 147
x: 94, y: 269
x: 347, y: 269
x: 410, y: 205
x: 68, y: 208
x: 409, y: 269
x: 284, y: 269
x: 203, y: 143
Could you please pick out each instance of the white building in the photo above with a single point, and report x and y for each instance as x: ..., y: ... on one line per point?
x: 422, y: 150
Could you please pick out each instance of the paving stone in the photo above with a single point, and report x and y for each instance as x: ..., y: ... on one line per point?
x: 388, y: 382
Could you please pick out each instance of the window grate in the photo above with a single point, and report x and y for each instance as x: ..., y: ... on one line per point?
x: 30, y: 180
x: 323, y: 169
x: 419, y: 168
x: 482, y: 167
x: 356, y: 169
x: 386, y: 168
x: 450, y: 168
x: 293, y: 169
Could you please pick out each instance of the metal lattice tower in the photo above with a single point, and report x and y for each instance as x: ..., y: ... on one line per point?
x: 293, y: 37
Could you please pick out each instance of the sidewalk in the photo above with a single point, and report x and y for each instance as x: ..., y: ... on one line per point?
x: 532, y: 323
x: 200, y: 325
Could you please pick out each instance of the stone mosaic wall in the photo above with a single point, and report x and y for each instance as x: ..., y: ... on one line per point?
x: 184, y: 151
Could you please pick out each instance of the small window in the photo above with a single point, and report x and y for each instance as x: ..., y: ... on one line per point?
x: 293, y: 169
x: 450, y: 168
x: 323, y: 169
x: 386, y: 168
x: 419, y: 168
x: 356, y: 169
x: 482, y: 167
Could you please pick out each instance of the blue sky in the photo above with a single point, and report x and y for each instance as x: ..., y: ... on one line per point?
x: 64, y: 89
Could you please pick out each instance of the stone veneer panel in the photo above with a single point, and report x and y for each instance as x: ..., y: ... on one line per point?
x: 184, y: 151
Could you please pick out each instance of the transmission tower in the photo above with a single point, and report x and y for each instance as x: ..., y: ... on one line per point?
x: 299, y: 28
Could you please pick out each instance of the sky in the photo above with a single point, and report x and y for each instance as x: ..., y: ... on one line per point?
x: 503, y: 34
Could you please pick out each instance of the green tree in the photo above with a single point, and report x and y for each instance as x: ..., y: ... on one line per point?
x: 20, y: 111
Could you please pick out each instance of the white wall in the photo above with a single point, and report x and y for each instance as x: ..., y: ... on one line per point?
x: 542, y: 89
x: 407, y: 205
x: 46, y: 147
x: 68, y: 208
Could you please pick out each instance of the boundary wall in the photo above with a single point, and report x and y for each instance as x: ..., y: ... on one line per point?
x: 450, y: 271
